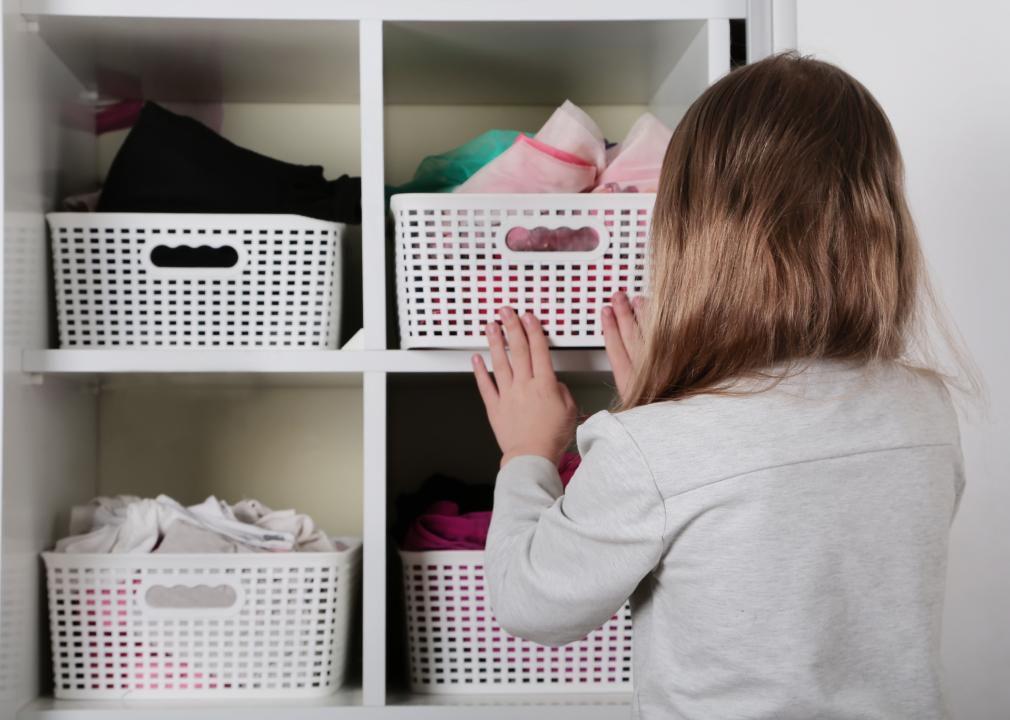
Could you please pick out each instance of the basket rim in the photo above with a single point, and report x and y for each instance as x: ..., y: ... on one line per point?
x: 523, y: 200
x: 458, y: 557
x: 61, y: 217
x: 349, y: 556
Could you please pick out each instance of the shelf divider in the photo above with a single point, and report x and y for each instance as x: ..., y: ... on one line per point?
x: 375, y: 529
x: 373, y: 197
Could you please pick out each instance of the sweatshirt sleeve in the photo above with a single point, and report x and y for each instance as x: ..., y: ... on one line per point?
x: 559, y: 565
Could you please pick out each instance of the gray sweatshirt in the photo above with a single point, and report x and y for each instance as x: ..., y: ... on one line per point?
x: 784, y: 551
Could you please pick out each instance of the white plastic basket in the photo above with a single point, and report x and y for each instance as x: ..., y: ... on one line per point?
x: 456, y: 647
x: 201, y: 625
x: 455, y: 266
x: 275, y: 280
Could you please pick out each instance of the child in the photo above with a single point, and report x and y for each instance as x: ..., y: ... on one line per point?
x: 776, y: 490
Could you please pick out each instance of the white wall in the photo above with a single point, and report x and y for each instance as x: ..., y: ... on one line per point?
x: 289, y: 447
x: 328, y: 135
x: 940, y: 70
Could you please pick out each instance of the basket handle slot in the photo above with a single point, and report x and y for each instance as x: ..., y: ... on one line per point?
x: 187, y: 256
x: 164, y: 258
x: 545, y: 239
x: 182, y: 596
x: 561, y: 239
x: 191, y: 596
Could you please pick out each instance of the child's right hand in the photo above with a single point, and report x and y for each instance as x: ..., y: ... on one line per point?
x: 622, y: 337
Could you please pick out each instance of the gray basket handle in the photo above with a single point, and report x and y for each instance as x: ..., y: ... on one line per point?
x: 187, y: 596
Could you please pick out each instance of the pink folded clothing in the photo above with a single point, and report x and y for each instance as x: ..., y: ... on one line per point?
x: 442, y: 527
x: 635, y: 164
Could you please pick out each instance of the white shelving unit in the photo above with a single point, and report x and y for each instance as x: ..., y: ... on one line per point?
x: 397, y: 61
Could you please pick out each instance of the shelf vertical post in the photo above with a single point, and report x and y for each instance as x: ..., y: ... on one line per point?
x: 771, y: 27
x: 373, y: 662
x: 373, y: 201
x: 717, y: 32
x: 373, y: 263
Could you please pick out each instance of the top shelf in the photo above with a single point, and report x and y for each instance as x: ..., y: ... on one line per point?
x: 505, y: 63
x: 194, y: 60
x: 274, y: 365
x: 510, y: 60
x: 437, y: 10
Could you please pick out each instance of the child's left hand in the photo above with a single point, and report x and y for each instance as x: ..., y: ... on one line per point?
x: 531, y: 413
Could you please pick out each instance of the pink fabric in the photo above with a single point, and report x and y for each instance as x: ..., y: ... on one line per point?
x: 635, y: 164
x: 123, y: 114
x: 567, y: 467
x: 526, y: 168
x: 565, y: 156
x: 443, y: 528
x: 569, y: 155
x: 117, y: 116
x: 553, y: 151
x: 571, y: 130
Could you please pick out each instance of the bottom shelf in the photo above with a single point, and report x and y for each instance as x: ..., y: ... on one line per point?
x: 233, y: 708
x: 557, y: 706
x: 345, y: 704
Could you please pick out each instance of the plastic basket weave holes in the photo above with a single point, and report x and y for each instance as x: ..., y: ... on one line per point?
x: 457, y: 647
x: 450, y: 284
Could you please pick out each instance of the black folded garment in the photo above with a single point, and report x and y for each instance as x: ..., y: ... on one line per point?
x: 173, y: 164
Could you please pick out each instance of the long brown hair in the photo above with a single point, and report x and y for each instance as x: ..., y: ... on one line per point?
x: 781, y: 233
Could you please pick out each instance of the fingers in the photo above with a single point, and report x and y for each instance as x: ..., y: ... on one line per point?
x: 540, y: 352
x: 627, y: 323
x: 566, y: 396
x: 499, y: 358
x: 638, y: 305
x: 519, y: 349
x: 485, y: 385
x: 613, y: 341
x: 620, y: 360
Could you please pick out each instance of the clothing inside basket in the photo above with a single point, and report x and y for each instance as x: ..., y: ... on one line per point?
x: 448, y: 514
x: 569, y: 154
x: 170, y: 163
x: 131, y: 525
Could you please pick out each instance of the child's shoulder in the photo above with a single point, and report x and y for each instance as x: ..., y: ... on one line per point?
x: 692, y: 412
x: 828, y: 409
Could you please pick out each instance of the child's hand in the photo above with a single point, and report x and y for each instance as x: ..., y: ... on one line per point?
x: 530, y: 412
x: 622, y: 337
